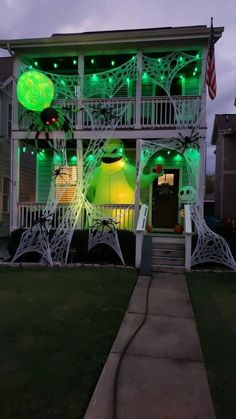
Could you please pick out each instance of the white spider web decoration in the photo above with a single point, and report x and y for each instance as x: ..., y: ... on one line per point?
x: 163, y: 70
x: 111, y: 81
x: 149, y: 148
x: 102, y: 230
x: 36, y: 238
x: 61, y: 240
x: 210, y: 246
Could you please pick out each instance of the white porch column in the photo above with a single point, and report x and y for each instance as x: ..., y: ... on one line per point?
x: 137, y: 191
x: 15, y: 154
x: 79, y: 155
x: 81, y: 88
x: 138, y: 90
x: 15, y: 103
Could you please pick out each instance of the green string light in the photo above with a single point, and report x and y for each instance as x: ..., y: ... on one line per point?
x: 36, y: 63
x: 92, y: 61
x: 74, y: 62
x: 112, y: 63
x: 24, y: 149
x: 55, y: 65
x: 145, y: 76
x: 90, y: 157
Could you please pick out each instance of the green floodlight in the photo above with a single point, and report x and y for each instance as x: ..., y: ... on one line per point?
x: 35, y: 91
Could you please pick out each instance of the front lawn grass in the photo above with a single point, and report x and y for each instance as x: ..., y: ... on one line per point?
x: 213, y: 297
x: 56, y: 329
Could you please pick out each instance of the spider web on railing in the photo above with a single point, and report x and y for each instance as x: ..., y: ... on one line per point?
x: 210, y: 246
x: 108, y: 83
x: 103, y: 230
x: 61, y: 240
x: 163, y: 70
x: 102, y: 84
x: 36, y: 238
x: 65, y: 86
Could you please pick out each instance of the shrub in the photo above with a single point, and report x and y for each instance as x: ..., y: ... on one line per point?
x: 101, y: 253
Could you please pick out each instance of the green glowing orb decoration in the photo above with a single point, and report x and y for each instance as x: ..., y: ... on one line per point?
x: 35, y: 91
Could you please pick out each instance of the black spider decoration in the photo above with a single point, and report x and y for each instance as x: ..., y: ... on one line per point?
x: 58, y: 172
x: 188, y: 141
x: 104, y: 113
x: 42, y: 222
x: 103, y: 225
x: 46, y: 121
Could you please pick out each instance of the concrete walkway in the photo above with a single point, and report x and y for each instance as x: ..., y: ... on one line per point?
x: 162, y: 375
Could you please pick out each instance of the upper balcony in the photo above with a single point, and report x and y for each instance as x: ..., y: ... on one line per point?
x: 152, y: 91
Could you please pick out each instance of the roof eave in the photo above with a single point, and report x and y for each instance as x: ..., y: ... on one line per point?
x: 163, y: 34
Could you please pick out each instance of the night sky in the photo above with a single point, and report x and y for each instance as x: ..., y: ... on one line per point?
x: 30, y: 18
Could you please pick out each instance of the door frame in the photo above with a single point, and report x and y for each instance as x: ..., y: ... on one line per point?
x: 168, y: 167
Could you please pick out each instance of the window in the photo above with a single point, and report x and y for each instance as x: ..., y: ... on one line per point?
x: 67, y: 175
x: 5, y: 194
x: 166, y: 178
x: 66, y: 183
x: 9, y: 120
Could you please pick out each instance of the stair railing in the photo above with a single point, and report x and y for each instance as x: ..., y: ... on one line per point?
x: 140, y: 230
x: 188, y: 237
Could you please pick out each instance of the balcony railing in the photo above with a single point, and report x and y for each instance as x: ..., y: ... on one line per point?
x: 29, y: 213
x: 155, y: 112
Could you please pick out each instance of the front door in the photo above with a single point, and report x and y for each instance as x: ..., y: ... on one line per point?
x: 165, y: 199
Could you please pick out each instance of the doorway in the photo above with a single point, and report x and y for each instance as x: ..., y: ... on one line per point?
x: 165, y: 200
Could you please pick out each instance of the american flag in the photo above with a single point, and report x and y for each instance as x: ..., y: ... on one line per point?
x: 210, y: 70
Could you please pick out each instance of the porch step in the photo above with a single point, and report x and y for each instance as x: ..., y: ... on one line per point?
x: 168, y: 268
x: 168, y: 254
x: 170, y: 240
x: 175, y: 253
x: 167, y: 246
x: 160, y: 261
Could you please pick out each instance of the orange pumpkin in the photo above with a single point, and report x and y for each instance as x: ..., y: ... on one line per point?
x: 178, y: 229
x: 149, y: 228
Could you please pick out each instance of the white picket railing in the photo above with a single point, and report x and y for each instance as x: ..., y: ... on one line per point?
x: 29, y: 213
x: 188, y: 236
x: 140, y: 230
x: 156, y: 111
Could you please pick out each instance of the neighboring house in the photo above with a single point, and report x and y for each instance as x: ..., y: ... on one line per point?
x: 224, y: 138
x: 6, y: 80
x: 209, y: 204
x: 158, y: 74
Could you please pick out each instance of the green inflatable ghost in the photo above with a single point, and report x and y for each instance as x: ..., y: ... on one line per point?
x: 113, y: 181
